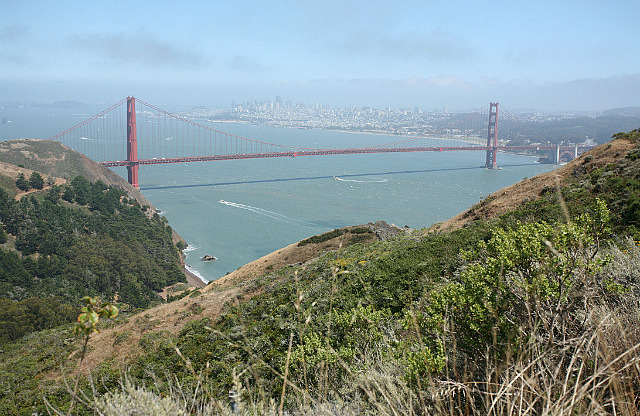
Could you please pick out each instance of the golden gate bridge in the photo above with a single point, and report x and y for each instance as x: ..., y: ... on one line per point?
x: 155, y: 136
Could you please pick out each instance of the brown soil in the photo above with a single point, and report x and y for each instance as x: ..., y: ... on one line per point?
x: 122, y: 343
x: 12, y: 171
x: 509, y: 198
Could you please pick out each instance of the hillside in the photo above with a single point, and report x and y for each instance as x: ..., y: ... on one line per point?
x: 241, y: 283
x: 209, y: 302
x: 493, y: 312
x: 55, y: 160
x: 59, y: 165
x: 530, y: 189
x: 74, y: 235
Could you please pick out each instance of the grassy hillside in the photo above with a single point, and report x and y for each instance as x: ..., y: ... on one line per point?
x: 526, y: 304
x: 54, y: 160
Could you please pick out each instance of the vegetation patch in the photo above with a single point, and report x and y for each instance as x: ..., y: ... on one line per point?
x: 330, y: 235
x: 322, y: 237
x: 77, y: 240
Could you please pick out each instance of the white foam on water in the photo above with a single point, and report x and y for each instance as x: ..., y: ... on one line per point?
x: 260, y: 211
x: 195, y: 272
x: 337, y: 178
x: 190, y: 248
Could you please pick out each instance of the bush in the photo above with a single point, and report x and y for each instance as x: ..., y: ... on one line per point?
x: 632, y: 136
x: 22, y: 183
x: 526, y: 284
x: 322, y: 237
x: 36, y: 181
x: 133, y: 400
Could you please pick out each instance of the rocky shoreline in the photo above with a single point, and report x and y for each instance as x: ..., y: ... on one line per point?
x: 193, y: 279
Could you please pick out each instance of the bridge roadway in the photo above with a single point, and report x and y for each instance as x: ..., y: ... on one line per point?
x: 324, y: 152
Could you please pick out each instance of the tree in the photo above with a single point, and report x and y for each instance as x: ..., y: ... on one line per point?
x: 36, y: 181
x: 54, y: 193
x: 22, y: 183
x: 81, y: 189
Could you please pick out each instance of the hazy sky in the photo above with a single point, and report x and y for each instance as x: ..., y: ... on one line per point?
x: 545, y: 55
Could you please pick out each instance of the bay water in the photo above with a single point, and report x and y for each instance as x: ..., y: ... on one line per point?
x: 241, y: 210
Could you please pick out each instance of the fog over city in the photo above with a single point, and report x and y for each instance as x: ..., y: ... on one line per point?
x: 529, y: 55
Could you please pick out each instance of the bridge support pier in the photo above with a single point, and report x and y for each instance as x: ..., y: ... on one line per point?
x: 132, y: 143
x: 492, y: 138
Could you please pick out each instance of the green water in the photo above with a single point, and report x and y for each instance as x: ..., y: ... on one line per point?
x: 241, y: 210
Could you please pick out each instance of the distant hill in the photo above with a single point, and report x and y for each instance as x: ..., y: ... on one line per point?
x: 572, y: 129
x: 55, y: 104
x: 597, y: 128
x: 623, y: 112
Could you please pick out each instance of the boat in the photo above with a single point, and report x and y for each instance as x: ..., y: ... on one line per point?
x: 208, y: 257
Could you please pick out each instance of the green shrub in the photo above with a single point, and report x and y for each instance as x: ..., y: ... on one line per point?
x: 322, y: 237
x: 36, y: 181
x: 526, y: 283
x: 22, y: 183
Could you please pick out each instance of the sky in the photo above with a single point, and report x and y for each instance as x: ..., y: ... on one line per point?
x: 562, y: 55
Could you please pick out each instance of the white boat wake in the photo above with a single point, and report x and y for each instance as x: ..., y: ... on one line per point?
x: 337, y: 178
x: 270, y: 214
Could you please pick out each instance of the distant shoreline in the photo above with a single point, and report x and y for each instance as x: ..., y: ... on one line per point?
x: 478, y: 140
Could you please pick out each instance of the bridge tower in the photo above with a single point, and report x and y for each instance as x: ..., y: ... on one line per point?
x: 492, y: 137
x: 132, y: 143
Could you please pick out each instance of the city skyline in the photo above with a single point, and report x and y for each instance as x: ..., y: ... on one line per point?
x: 547, y: 56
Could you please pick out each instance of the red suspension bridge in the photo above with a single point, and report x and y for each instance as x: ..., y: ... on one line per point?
x: 156, y: 136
